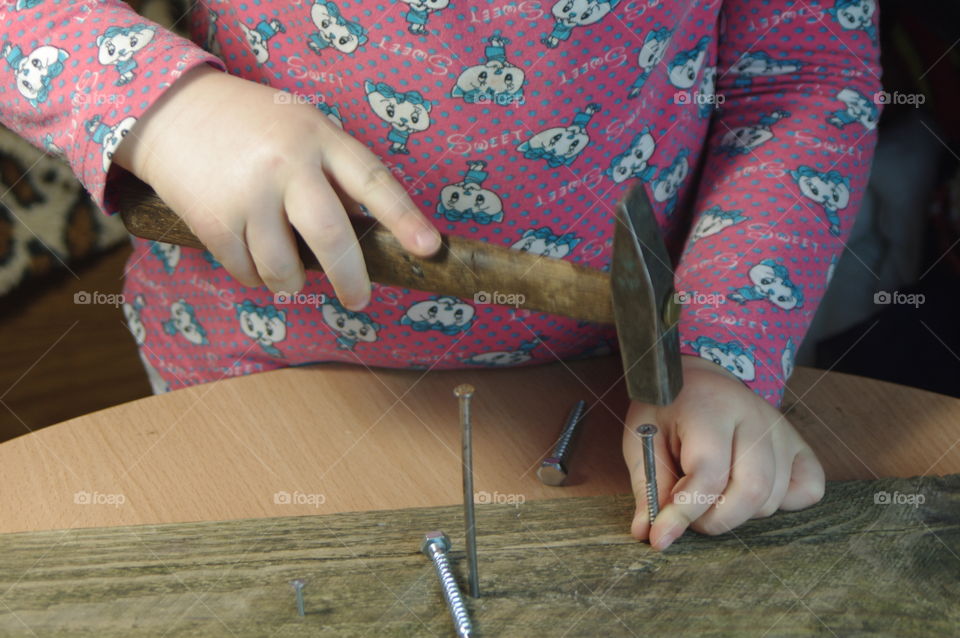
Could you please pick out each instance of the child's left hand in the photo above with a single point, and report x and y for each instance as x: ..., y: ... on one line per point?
x: 724, y: 455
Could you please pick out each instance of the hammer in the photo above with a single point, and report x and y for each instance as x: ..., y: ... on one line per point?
x: 637, y: 295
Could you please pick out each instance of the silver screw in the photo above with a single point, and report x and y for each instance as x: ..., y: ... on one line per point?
x: 553, y: 469
x: 435, y: 545
x: 464, y: 393
x: 298, y: 588
x: 646, y: 432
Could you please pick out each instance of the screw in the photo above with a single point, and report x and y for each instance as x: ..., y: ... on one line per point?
x: 553, y: 469
x: 298, y: 587
x: 464, y: 393
x: 435, y: 545
x: 646, y: 432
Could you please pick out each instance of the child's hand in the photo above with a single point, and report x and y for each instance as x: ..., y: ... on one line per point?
x: 735, y: 455
x: 241, y: 166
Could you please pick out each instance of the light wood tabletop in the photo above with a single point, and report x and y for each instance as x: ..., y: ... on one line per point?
x: 334, y: 438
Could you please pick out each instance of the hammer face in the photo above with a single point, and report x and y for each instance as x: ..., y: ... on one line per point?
x: 644, y: 304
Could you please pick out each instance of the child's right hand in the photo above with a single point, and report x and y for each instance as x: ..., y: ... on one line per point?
x: 241, y: 168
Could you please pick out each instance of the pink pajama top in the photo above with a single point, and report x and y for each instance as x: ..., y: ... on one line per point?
x: 751, y: 123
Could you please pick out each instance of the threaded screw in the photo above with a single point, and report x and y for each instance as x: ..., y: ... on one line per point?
x: 647, y: 432
x: 553, y: 469
x: 435, y: 545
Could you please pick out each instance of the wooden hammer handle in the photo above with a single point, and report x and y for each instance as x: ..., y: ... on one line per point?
x: 461, y: 268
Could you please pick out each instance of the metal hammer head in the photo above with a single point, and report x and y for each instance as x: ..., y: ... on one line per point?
x: 644, y: 303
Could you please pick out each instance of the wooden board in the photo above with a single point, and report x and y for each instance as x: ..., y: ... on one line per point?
x: 563, y: 567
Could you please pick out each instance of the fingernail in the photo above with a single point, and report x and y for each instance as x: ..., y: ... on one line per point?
x: 639, y: 520
x: 667, y: 539
x: 357, y: 304
x: 427, y: 239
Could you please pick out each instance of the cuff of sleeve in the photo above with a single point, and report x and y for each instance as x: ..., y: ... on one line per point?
x: 763, y: 362
x: 104, y: 125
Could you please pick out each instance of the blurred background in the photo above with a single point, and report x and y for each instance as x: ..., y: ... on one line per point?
x: 891, y: 312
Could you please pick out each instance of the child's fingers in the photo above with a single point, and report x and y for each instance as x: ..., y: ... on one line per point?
x: 705, y: 460
x: 364, y: 177
x: 227, y: 246
x: 751, y: 483
x: 785, y: 451
x: 317, y: 213
x: 807, y: 481
x: 666, y: 475
x: 274, y: 251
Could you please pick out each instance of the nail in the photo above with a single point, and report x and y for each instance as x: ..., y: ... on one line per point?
x: 647, y: 432
x: 298, y: 588
x: 464, y: 393
x: 667, y: 539
x: 427, y: 238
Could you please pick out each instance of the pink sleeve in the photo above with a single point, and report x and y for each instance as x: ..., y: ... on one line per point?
x: 787, y: 164
x: 77, y: 74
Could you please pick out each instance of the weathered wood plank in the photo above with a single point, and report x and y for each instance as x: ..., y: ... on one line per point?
x: 848, y: 567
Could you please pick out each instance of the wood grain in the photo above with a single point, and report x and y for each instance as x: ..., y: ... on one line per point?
x: 462, y: 267
x: 847, y: 567
x: 385, y: 439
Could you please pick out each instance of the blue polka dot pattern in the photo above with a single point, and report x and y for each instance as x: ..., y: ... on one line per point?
x: 750, y: 123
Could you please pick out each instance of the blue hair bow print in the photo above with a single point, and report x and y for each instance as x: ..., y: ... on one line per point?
x: 543, y: 241
x: 35, y: 71
x: 731, y: 355
x: 468, y: 200
x: 504, y: 358
x: 858, y: 109
x: 168, y: 254
x: 419, y: 13
x: 405, y: 112
x: 746, y: 139
x: 715, y: 219
x: 118, y: 45
x: 830, y: 190
x: 561, y: 145
x: 685, y: 66
x: 771, y: 282
x: 350, y: 327
x: 183, y: 321
x: 266, y: 325
x: 334, y: 31
x: 666, y: 187
x: 651, y: 54
x: 634, y: 161
x: 495, y: 81
x: 755, y: 64
x: 570, y: 14
x: 447, y: 315
x: 855, y: 15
